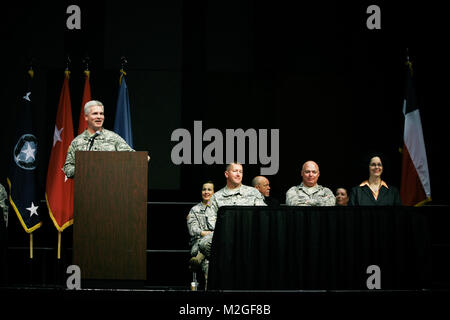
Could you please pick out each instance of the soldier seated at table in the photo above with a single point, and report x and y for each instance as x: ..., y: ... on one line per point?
x: 341, y: 197
x: 233, y: 194
x: 262, y: 184
x: 309, y: 193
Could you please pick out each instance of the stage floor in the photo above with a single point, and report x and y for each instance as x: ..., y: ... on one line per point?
x: 171, y: 303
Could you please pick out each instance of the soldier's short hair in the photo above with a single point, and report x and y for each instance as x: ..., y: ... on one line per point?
x: 231, y: 163
x: 90, y: 104
x: 208, y: 182
x: 257, y: 180
x: 315, y: 163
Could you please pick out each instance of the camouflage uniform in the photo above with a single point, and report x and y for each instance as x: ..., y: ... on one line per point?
x: 242, y: 196
x: 200, y: 218
x: 314, y: 196
x: 4, y: 203
x: 105, y: 141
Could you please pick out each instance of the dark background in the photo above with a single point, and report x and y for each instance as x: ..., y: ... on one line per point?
x: 313, y: 70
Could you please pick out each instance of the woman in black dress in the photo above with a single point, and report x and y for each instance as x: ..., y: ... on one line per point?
x: 374, y: 191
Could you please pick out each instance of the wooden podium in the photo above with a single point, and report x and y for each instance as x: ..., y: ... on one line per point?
x: 110, y: 215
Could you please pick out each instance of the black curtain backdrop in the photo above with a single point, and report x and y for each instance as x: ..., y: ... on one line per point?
x: 314, y: 71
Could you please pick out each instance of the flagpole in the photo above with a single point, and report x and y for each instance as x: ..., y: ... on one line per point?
x: 82, y: 123
x: 30, y: 271
x: 123, y: 62
x: 59, y: 245
x: 31, y: 245
x: 408, y: 61
x: 86, y: 61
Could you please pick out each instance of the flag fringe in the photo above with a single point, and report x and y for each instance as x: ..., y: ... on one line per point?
x: 65, y: 225
x: 423, y: 202
x: 27, y: 230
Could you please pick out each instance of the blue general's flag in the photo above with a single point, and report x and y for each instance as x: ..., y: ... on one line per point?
x: 122, y: 123
x: 22, y: 169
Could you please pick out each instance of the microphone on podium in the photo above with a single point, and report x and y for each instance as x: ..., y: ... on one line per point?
x: 96, y: 134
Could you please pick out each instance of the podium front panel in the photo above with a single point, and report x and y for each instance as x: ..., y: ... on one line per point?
x: 110, y: 215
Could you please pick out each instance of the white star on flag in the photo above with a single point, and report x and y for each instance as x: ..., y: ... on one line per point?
x: 27, y: 96
x: 33, y: 209
x: 57, y: 135
x: 29, y: 152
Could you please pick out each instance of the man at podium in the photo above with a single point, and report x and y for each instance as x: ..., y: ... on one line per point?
x: 95, y: 137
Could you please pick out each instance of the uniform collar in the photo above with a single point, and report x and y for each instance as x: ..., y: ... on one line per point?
x: 87, y: 135
x: 204, y: 206
x: 309, y: 190
x: 231, y: 192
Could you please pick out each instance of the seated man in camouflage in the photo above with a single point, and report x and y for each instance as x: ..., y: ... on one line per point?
x: 309, y: 193
x: 233, y: 194
x: 95, y: 137
x: 262, y: 184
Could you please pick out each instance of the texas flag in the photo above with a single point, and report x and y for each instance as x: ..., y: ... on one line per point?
x: 415, y: 186
x: 59, y: 189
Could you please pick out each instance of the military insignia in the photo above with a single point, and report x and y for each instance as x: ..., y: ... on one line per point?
x: 25, y: 152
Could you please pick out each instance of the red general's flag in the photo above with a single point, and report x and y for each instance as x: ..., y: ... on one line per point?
x: 415, y: 186
x: 59, y: 189
x: 82, y: 124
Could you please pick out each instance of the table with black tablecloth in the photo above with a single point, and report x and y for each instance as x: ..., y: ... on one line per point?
x: 309, y: 248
